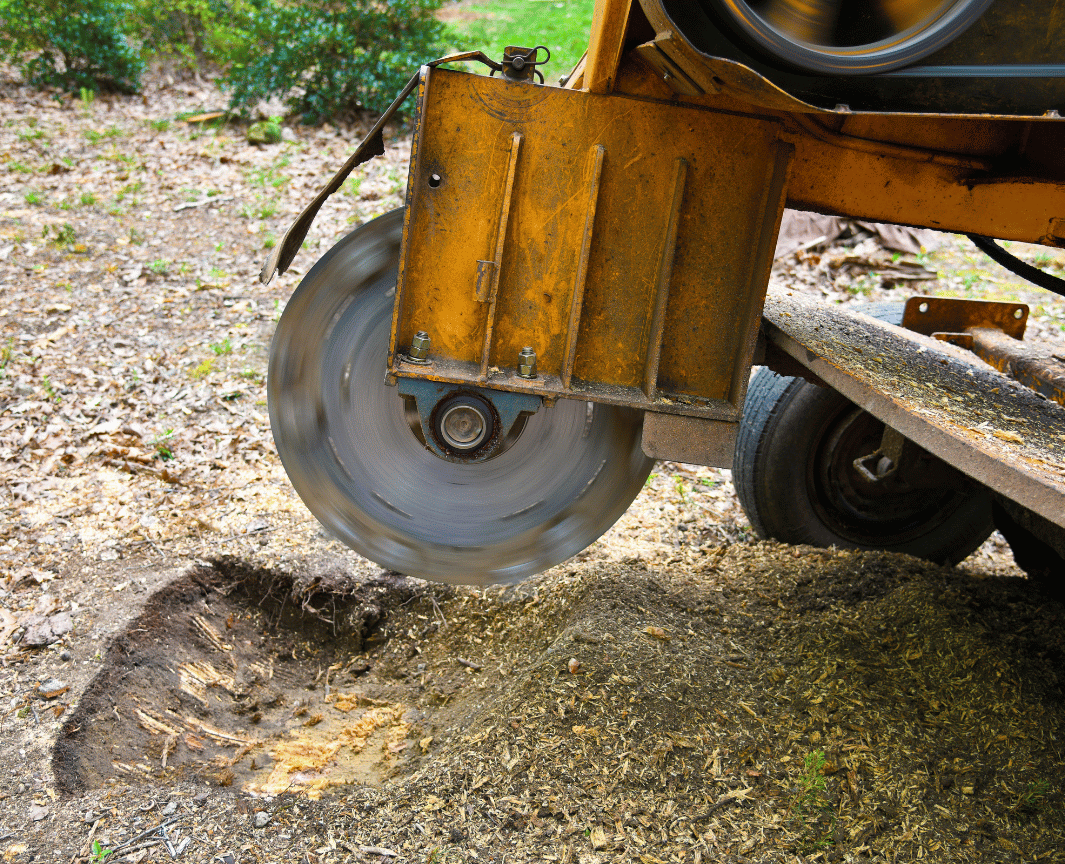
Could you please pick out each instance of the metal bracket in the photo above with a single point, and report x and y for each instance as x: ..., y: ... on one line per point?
x: 934, y: 315
x: 509, y: 411
x: 992, y: 331
x: 694, y: 440
x: 519, y: 64
x: 885, y: 460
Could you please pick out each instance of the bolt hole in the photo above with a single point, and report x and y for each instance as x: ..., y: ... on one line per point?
x: 1018, y: 313
x: 434, y: 180
x: 922, y: 308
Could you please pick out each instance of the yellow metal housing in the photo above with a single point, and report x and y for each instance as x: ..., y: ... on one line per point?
x: 627, y: 241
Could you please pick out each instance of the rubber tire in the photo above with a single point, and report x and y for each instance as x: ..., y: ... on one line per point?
x: 871, y: 58
x: 786, y: 423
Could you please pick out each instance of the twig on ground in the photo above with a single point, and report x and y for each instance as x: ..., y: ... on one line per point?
x: 146, y: 833
x: 216, y: 199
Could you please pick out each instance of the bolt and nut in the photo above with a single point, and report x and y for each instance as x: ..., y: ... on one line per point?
x: 527, y: 362
x: 419, y: 347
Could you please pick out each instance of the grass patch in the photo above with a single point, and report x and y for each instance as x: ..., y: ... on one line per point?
x: 222, y: 348
x: 811, y: 808
x: 562, y: 25
x: 162, y: 446
x: 203, y: 370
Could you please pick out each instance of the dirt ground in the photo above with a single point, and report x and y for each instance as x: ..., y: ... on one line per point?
x: 192, y: 669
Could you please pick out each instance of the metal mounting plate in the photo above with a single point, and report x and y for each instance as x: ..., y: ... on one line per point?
x: 930, y: 315
x: 578, y: 224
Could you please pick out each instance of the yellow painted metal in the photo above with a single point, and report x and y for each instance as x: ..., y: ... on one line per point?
x: 624, y: 226
x: 630, y: 242
x: 609, y: 18
x: 832, y: 178
x: 953, y: 173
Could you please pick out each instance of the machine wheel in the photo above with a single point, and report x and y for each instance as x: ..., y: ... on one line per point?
x: 860, y: 37
x: 1038, y: 545
x: 348, y: 448
x: 795, y: 477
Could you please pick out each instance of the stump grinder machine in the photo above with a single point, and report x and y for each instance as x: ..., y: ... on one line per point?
x: 475, y: 387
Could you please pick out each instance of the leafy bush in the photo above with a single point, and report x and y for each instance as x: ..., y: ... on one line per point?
x: 83, y: 43
x: 196, y: 30
x: 326, y: 57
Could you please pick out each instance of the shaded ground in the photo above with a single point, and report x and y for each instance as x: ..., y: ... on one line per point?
x: 753, y: 702
x: 142, y: 500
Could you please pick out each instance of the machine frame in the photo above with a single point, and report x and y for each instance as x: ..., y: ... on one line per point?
x: 611, y: 240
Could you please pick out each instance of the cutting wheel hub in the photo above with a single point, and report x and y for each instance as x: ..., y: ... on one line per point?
x: 465, y: 422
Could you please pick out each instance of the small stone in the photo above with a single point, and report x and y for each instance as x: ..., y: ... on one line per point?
x: 52, y: 688
x: 574, y: 665
x: 41, y: 630
x: 264, y: 133
x: 37, y: 813
x: 262, y: 819
x: 170, y: 808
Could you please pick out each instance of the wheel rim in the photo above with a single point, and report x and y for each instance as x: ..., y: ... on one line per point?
x: 847, y: 37
x: 886, y: 513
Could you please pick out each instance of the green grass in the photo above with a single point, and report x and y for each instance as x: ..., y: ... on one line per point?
x: 222, y: 348
x: 162, y: 447
x: 811, y: 808
x: 561, y: 25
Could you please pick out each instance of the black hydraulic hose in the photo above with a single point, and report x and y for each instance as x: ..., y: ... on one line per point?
x: 1015, y: 265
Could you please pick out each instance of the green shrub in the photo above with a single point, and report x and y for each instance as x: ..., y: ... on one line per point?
x: 81, y: 44
x: 196, y: 30
x: 325, y: 58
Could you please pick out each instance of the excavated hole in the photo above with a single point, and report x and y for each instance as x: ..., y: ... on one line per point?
x: 265, y: 681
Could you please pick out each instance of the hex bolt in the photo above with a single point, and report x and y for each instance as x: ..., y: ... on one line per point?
x: 527, y: 362
x: 419, y: 347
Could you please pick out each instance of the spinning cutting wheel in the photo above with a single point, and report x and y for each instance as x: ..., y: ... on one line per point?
x: 346, y: 441
x: 847, y: 37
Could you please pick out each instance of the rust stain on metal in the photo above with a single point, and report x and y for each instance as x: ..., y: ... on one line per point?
x: 930, y: 315
x: 1033, y: 366
x: 573, y: 325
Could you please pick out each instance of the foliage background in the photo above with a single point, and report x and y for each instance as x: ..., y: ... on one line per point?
x: 322, y: 57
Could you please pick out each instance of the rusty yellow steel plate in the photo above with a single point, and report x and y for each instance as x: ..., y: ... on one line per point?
x: 627, y: 241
